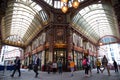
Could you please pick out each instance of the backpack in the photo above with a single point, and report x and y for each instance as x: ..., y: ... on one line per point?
x: 84, y: 62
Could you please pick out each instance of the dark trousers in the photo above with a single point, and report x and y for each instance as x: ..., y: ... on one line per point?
x: 86, y: 69
x: 36, y: 70
x: 60, y: 69
x: 48, y: 69
x: 16, y: 68
x: 116, y: 69
x: 98, y: 69
x: 54, y: 70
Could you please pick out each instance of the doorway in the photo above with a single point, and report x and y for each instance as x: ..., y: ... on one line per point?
x: 61, y: 54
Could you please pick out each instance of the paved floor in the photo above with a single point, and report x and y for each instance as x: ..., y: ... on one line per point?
x: 78, y: 75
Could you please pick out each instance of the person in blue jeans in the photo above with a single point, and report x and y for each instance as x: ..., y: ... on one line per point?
x: 59, y: 63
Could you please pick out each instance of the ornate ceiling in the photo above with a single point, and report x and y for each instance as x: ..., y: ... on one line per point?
x: 97, y: 21
x: 23, y: 19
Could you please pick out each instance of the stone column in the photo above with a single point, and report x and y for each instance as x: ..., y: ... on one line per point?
x: 69, y: 42
x: 51, y: 45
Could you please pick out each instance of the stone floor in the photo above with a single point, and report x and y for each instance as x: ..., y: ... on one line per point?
x: 78, y: 75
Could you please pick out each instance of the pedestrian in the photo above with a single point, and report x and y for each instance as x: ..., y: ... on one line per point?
x: 30, y: 67
x: 105, y: 64
x: 17, y: 66
x: 59, y: 63
x: 54, y: 66
x: 49, y: 65
x: 115, y: 66
x: 72, y: 66
x: 90, y: 67
x: 85, y: 65
x: 98, y: 64
x: 35, y: 66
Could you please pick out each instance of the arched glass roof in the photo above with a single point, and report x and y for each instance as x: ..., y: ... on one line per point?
x: 23, y: 20
x: 108, y: 39
x: 58, y: 4
x: 96, y: 21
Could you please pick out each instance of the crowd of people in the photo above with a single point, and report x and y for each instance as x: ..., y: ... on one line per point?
x: 100, y: 65
x: 58, y: 66
x: 53, y: 66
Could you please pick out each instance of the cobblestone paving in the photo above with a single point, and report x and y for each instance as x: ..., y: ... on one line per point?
x: 78, y: 75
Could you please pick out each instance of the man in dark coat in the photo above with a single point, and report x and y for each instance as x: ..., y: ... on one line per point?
x: 115, y: 66
x: 16, y: 66
x: 36, y: 64
x: 105, y: 64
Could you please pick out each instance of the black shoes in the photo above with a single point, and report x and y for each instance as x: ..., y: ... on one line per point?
x: 36, y: 75
x: 11, y: 75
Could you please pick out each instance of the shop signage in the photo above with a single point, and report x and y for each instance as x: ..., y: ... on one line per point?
x: 78, y: 49
x: 60, y: 45
x: 40, y: 48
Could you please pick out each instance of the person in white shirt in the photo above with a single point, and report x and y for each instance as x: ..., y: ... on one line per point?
x: 54, y: 66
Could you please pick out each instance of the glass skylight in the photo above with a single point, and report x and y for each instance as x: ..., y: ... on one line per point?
x: 22, y: 18
x: 95, y: 21
x: 58, y: 4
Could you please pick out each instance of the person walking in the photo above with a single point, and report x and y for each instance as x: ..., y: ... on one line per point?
x: 98, y: 64
x: 30, y: 67
x: 54, y: 66
x: 85, y: 65
x: 90, y: 67
x: 49, y: 66
x: 115, y: 66
x: 72, y: 66
x: 105, y: 64
x: 36, y: 64
x: 17, y: 66
x: 59, y: 63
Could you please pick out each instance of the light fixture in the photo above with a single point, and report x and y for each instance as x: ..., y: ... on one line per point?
x: 18, y: 41
x: 75, y: 4
x: 65, y: 1
x: 64, y: 9
x: 100, y: 43
x: 61, y: 54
